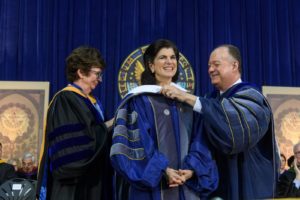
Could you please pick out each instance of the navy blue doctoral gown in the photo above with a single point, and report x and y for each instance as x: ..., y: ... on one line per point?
x: 152, y: 133
x: 239, y: 124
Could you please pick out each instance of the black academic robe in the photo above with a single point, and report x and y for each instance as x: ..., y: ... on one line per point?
x: 285, y: 185
x: 7, y: 171
x: 75, y: 162
x: 239, y: 124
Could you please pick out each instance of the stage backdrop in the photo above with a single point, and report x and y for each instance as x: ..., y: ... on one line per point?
x: 36, y: 36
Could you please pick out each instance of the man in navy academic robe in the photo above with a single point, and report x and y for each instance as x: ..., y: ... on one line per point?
x: 239, y: 124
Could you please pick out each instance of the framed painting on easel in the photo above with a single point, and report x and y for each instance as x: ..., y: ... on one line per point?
x: 285, y: 104
x: 23, y: 107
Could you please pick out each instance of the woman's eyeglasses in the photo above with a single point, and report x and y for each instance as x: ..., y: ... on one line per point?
x: 97, y: 73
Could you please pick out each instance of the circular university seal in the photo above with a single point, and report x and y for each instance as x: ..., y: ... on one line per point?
x: 130, y: 72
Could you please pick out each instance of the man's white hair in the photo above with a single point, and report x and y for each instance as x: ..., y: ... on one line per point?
x: 28, y: 155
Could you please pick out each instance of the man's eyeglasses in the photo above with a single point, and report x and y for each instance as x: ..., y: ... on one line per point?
x: 297, y: 153
x: 97, y: 73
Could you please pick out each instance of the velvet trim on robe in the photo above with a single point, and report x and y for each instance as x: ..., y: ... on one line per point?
x: 75, y: 161
x: 137, y: 152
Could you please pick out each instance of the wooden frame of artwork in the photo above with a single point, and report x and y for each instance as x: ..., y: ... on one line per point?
x: 285, y: 104
x: 23, y: 108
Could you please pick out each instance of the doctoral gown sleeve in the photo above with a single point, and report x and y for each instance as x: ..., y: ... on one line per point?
x: 199, y: 160
x: 75, y: 137
x: 236, y: 123
x: 134, y: 153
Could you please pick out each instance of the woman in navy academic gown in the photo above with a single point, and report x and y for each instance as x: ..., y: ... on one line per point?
x: 156, y: 147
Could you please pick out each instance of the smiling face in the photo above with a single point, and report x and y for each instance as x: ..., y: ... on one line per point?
x: 223, y: 69
x: 164, y: 66
x: 89, y: 81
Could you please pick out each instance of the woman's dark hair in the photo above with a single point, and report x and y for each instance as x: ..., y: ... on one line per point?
x: 83, y: 58
x: 147, y: 77
x: 290, y: 161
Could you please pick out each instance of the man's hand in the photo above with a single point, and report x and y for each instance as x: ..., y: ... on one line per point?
x: 175, y: 93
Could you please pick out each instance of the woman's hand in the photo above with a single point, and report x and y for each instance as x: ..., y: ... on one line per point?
x: 174, y: 178
x: 186, y: 173
x: 109, y: 124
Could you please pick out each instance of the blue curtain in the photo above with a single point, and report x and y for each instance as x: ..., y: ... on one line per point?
x: 36, y: 36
